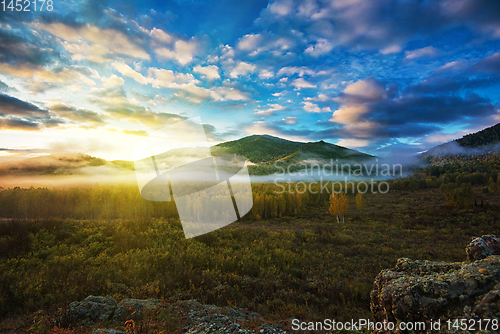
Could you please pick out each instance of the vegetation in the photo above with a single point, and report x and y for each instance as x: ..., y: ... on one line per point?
x: 339, y: 204
x: 484, y: 137
x: 288, y: 257
x: 267, y: 149
x: 360, y: 201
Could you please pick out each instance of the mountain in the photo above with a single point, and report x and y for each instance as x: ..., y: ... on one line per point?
x: 265, y: 149
x: 479, y: 144
x: 261, y: 150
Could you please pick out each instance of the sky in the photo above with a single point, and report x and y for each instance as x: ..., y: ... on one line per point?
x: 381, y: 76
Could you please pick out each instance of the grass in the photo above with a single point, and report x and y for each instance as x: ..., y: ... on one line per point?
x: 306, y: 267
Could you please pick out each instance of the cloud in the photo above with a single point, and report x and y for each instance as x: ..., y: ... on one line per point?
x: 249, y: 42
x: 281, y: 7
x: 427, y: 52
x: 241, y: 69
x: 161, y: 35
x: 366, y: 90
x: 57, y: 75
x: 12, y: 106
x: 169, y: 79
x: 210, y: 72
x: 301, y: 71
x: 353, y: 142
x: 301, y: 83
x: 320, y: 97
x: 112, y: 81
x: 77, y: 115
x: 377, y: 24
x: 141, y: 133
x: 290, y: 120
x: 117, y: 105
x: 94, y: 43
x: 128, y: 71
x: 16, y: 123
x: 322, y: 46
x: 266, y: 74
x: 368, y: 110
x: 488, y: 65
x: 183, y: 51
x: 269, y: 111
x: 313, y: 108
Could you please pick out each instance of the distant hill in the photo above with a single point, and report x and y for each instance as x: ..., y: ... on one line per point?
x: 265, y: 149
x: 468, y: 148
x: 62, y: 164
x: 261, y: 150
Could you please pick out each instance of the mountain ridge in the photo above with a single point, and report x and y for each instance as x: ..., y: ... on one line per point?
x: 261, y: 150
x: 485, y: 142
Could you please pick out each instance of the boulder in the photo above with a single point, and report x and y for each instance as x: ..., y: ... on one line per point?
x: 427, y: 291
x: 482, y: 247
x: 107, y: 331
x: 133, y: 308
x: 95, y: 309
x: 91, y: 310
x: 205, y: 319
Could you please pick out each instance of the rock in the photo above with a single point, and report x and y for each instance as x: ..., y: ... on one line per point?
x: 482, y: 247
x: 203, y: 319
x: 424, y: 291
x: 206, y: 319
x: 107, y: 331
x: 95, y: 309
x: 91, y: 310
x: 133, y: 308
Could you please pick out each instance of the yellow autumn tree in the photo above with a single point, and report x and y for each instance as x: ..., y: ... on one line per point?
x: 360, y: 201
x: 339, y: 204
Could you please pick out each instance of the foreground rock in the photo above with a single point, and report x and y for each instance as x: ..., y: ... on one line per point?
x: 201, y: 319
x: 94, y: 309
x: 205, y: 319
x: 426, y: 291
x: 483, y: 247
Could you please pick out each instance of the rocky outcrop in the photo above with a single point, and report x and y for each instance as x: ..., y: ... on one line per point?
x: 425, y: 291
x: 482, y: 247
x: 201, y: 319
x: 94, y: 309
x: 206, y: 319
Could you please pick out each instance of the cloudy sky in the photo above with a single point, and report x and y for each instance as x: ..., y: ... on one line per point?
x: 381, y: 76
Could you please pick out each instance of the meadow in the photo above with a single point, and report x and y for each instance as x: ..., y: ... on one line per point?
x: 294, y: 264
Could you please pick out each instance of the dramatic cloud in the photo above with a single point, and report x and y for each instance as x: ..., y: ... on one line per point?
x: 12, y: 106
x: 77, y: 115
x: 367, y: 110
x: 93, y: 43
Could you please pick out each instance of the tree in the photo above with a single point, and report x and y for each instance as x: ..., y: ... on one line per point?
x: 339, y: 204
x: 360, y: 201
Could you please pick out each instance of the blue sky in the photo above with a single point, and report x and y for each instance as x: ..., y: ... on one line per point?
x: 382, y: 76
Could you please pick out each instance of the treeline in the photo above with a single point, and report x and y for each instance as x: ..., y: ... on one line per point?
x: 481, y: 138
x: 125, y: 202
x: 455, y: 181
